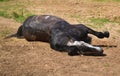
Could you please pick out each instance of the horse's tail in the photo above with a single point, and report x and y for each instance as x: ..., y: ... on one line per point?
x: 18, y: 34
x: 11, y: 35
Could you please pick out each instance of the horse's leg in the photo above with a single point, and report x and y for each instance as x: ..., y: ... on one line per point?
x: 88, y: 40
x: 96, y: 33
x: 86, y: 48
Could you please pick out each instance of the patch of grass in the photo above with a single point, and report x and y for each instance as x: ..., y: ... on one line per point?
x: 20, y: 16
x: 117, y: 0
x: 3, y: 0
x: 14, y: 10
x: 4, y: 14
x: 98, y: 22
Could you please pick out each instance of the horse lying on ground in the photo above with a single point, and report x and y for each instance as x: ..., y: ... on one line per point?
x: 62, y: 36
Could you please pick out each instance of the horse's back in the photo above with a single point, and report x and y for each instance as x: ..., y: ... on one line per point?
x: 37, y: 28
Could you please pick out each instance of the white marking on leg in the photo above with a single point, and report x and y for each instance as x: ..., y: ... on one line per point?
x: 82, y: 43
x: 95, y: 47
x: 75, y: 43
x: 46, y: 17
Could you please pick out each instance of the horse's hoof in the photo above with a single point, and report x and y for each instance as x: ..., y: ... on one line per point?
x: 106, y: 34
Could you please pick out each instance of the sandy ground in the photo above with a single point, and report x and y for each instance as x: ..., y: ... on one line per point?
x: 19, y: 57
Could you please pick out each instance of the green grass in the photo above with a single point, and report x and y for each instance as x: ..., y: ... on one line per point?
x: 92, y: 22
x: 20, y: 16
x: 3, y: 0
x: 103, y: 21
x: 14, y: 10
x: 4, y: 14
x: 98, y: 22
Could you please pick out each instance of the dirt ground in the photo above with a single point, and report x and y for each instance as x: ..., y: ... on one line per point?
x: 19, y: 57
